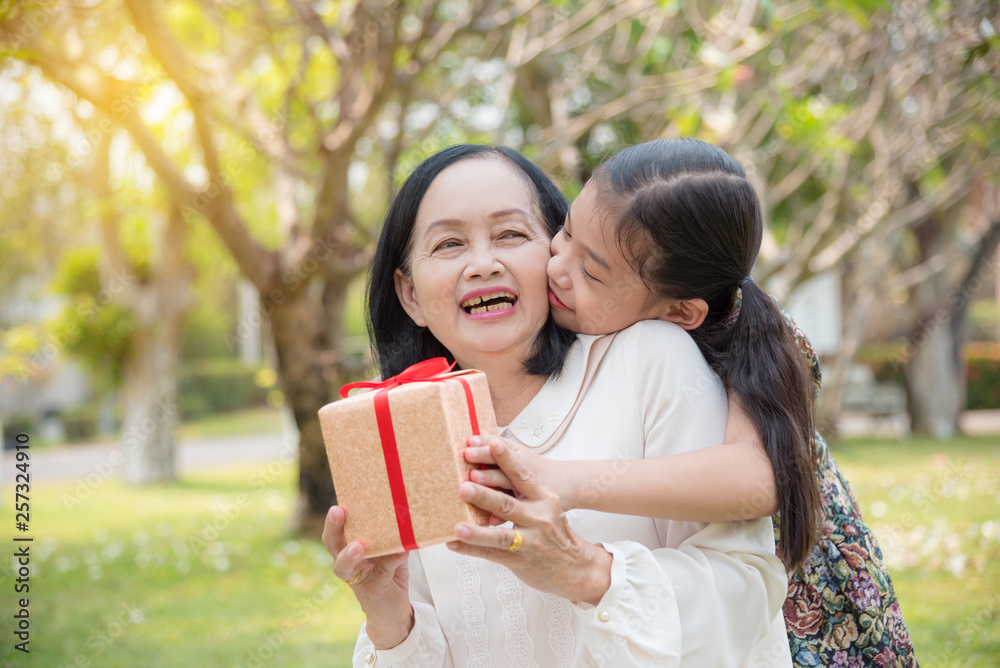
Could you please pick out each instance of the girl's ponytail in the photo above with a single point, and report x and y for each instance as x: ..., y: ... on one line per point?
x: 764, y: 372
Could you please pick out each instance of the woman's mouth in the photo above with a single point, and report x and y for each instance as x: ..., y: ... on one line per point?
x: 556, y: 302
x: 494, y: 304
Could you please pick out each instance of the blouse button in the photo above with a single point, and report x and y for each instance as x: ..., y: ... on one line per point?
x: 370, y: 659
x: 604, y: 615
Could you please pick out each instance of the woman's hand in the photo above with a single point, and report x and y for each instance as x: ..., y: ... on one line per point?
x: 557, y: 477
x: 381, y: 585
x: 552, y: 556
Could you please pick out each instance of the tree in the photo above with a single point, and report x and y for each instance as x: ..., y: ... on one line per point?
x: 865, y: 127
x: 293, y: 106
x: 127, y: 326
x: 158, y: 294
x: 278, y: 94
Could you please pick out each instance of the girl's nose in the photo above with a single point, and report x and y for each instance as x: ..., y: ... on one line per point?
x: 556, y: 268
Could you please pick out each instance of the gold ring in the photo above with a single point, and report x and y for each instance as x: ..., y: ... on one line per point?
x: 518, y: 541
x: 356, y: 578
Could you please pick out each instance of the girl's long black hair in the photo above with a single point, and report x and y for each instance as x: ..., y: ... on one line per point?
x: 692, y: 225
x: 397, y: 341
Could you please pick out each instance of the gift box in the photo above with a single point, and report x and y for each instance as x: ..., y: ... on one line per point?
x: 396, y: 455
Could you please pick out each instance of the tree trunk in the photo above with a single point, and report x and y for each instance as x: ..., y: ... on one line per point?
x: 933, y: 383
x: 857, y: 301
x: 149, y: 387
x: 150, y: 401
x: 933, y: 376
x: 831, y: 397
x: 302, y: 345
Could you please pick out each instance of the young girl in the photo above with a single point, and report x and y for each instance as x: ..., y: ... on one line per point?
x: 670, y: 230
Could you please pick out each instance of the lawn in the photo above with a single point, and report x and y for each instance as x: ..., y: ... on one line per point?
x: 256, y: 420
x: 935, y: 508
x: 260, y: 420
x: 205, y: 573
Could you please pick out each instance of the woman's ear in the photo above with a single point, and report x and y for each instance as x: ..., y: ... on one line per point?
x: 407, y: 297
x: 688, y: 313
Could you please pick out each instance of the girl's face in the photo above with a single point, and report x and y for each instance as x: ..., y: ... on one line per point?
x: 592, y: 287
x: 477, y: 262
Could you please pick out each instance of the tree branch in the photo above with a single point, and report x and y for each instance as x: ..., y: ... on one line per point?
x: 115, y: 98
x: 96, y: 178
x: 216, y: 203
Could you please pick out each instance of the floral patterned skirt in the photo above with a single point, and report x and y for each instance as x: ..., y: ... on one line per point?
x: 841, y: 609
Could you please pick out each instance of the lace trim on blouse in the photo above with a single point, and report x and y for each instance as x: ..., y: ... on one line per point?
x: 559, y: 618
x: 476, y: 634
x: 517, y: 642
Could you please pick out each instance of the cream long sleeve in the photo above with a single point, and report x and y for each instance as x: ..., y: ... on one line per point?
x: 681, y: 594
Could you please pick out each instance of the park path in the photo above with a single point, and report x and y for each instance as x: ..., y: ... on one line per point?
x: 983, y: 422
x: 76, y: 462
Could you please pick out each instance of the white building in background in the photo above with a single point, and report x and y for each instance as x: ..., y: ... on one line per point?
x: 57, y: 383
x: 64, y: 384
x: 816, y: 307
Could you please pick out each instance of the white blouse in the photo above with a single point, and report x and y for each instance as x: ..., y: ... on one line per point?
x: 682, y: 593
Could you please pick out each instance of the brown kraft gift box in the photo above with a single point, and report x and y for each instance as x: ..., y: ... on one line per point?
x: 431, y: 425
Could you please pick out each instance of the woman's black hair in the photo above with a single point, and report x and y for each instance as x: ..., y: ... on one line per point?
x: 397, y: 341
x: 691, y: 224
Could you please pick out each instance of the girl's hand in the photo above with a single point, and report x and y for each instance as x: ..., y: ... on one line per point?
x: 381, y: 585
x: 552, y: 557
x: 556, y: 476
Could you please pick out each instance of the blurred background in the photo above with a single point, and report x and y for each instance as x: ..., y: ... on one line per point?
x: 189, y: 194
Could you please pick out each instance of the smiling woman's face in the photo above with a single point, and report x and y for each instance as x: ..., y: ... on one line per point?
x: 476, y: 271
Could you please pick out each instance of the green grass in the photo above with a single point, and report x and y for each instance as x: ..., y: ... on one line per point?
x: 263, y: 420
x: 259, y: 420
x: 935, y: 508
x: 204, y: 573
x: 141, y: 578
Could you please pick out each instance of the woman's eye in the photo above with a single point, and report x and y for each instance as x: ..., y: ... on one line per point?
x: 450, y: 243
x: 513, y: 234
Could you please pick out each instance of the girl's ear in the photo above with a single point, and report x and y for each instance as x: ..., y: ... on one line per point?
x: 688, y: 313
x: 407, y: 297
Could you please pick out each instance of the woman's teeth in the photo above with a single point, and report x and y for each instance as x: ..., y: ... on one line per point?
x: 482, y: 304
x: 491, y: 307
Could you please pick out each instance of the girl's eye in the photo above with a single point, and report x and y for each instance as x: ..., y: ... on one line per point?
x: 587, y: 274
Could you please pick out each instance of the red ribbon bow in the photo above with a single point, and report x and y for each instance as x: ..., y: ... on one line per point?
x: 421, y: 372
x: 432, y: 371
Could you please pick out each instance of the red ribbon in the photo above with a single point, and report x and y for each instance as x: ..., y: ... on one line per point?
x: 428, y: 371
x: 420, y: 372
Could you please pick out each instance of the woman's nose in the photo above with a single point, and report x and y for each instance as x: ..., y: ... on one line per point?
x: 483, y: 263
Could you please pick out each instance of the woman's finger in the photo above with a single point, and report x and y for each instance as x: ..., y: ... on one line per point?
x: 491, y: 478
x: 478, y: 454
x: 333, y: 531
x: 521, y: 477
x: 351, y: 562
x: 486, y: 442
x: 502, y: 505
x: 490, y: 554
x: 496, y: 538
x: 391, y: 562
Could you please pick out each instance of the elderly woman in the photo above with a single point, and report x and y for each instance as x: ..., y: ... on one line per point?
x: 460, y: 272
